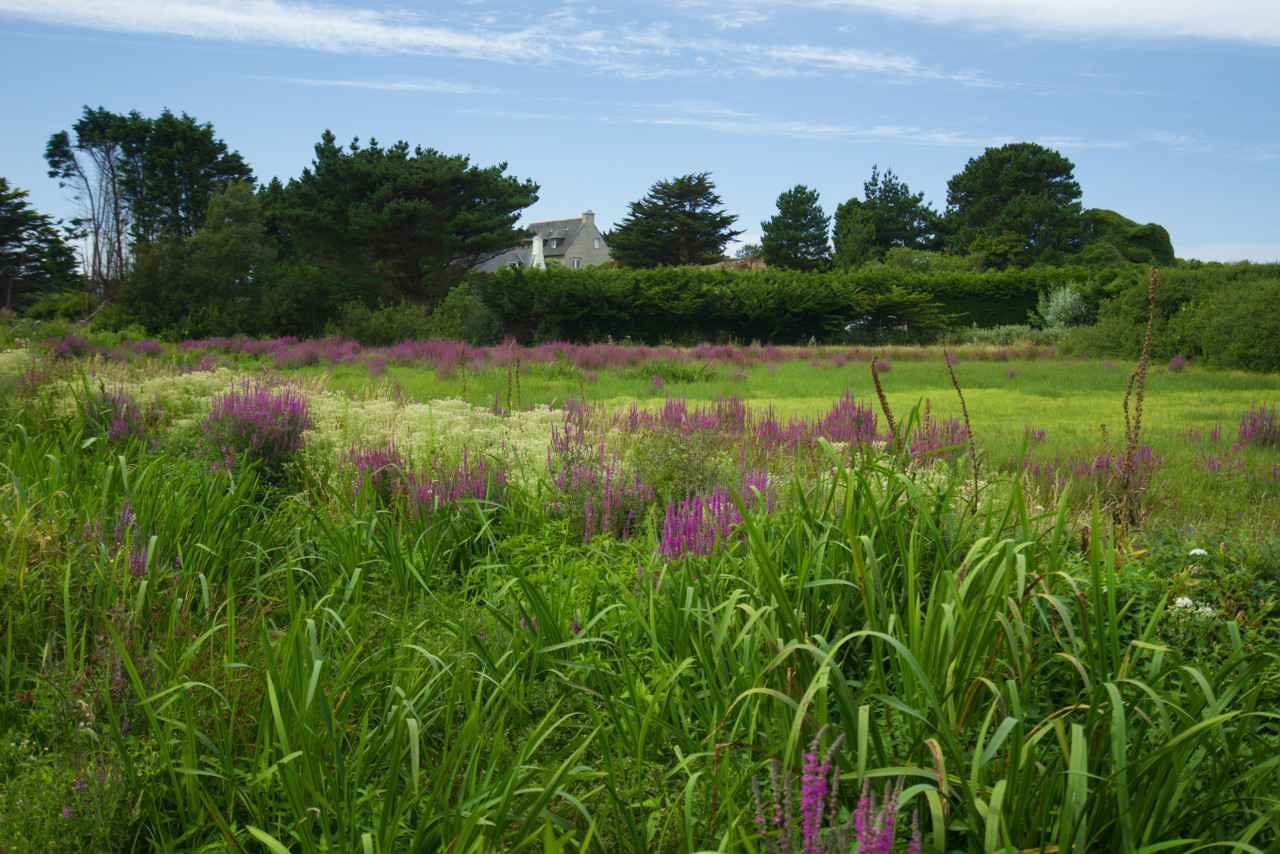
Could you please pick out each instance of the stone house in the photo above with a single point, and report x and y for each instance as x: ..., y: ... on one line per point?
x: 571, y: 242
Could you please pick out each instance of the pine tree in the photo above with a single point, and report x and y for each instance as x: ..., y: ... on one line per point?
x: 34, y: 258
x: 796, y: 237
x: 396, y: 223
x: 679, y: 222
x: 889, y: 215
x: 1017, y: 204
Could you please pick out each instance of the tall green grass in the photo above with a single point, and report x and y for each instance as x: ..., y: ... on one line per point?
x: 241, y: 669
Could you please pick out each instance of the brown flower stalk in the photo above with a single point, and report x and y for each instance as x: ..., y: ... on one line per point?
x: 968, y: 431
x: 884, y: 402
x: 1131, y: 490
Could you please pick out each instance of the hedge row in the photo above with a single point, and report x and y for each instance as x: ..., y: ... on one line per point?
x: 688, y: 304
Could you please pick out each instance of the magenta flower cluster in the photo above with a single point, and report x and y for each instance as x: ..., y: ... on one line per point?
x: 69, y: 346
x: 119, y: 544
x: 593, y: 489
x: 696, y: 526
x: 378, y: 472
x: 1258, y: 427
x: 932, y: 436
x: 869, y: 827
x: 1101, y: 470
x: 265, y: 425
x: 429, y: 491
x: 114, y: 415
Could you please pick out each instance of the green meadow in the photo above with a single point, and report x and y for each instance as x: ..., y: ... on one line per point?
x: 265, y: 600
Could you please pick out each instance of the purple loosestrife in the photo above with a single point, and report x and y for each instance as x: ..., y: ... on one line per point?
x: 69, y: 347
x: 1258, y: 426
x: 114, y: 415
x: 429, y: 492
x: 264, y: 425
x: 932, y: 435
x: 819, y: 829
x: 378, y: 472
x: 874, y: 828
x: 697, y: 525
x: 816, y: 786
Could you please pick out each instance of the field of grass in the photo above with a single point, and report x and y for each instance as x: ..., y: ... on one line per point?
x: 298, y: 596
x: 1189, y: 417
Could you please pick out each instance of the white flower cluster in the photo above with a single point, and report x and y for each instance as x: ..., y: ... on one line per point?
x: 1190, y: 608
x: 14, y: 362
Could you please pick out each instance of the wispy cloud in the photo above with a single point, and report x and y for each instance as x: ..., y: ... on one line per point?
x: 567, y: 36
x: 738, y: 123
x: 444, y: 87
x: 291, y: 24
x: 1248, y: 21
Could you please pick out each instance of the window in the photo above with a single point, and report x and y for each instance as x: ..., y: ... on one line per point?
x: 555, y: 242
x: 575, y: 262
x: 595, y: 243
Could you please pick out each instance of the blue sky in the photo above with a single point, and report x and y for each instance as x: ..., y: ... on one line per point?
x: 1169, y: 109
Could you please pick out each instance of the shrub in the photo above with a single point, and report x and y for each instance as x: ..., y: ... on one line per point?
x: 1061, y: 307
x: 463, y: 316
x: 1238, y: 327
x: 1009, y: 335
x: 260, y: 424
x: 383, y: 326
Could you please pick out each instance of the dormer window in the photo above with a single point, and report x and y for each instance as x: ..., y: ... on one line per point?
x: 555, y: 242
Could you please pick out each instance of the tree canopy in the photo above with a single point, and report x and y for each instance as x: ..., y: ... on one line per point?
x: 888, y: 216
x: 204, y: 284
x: 679, y: 222
x: 796, y: 237
x: 1114, y: 239
x: 33, y: 256
x: 1017, y: 204
x: 138, y: 178
x: 396, y: 223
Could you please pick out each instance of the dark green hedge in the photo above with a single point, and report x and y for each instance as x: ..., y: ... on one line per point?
x: 690, y: 304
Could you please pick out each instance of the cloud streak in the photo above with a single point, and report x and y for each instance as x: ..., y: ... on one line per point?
x: 1246, y: 21
x: 300, y: 25
x: 444, y: 87
x: 651, y: 52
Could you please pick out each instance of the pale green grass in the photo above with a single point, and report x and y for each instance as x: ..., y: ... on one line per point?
x: 1072, y: 400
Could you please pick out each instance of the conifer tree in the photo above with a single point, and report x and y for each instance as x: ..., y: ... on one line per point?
x: 679, y: 222
x: 796, y: 237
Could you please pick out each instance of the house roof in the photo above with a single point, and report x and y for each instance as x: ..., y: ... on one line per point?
x: 562, y: 229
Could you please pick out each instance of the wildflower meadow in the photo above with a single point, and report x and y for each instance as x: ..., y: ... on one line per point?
x: 305, y: 596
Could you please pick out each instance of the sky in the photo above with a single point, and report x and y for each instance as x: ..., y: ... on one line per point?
x: 1169, y: 109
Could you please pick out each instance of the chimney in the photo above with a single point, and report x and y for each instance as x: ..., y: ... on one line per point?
x: 589, y: 219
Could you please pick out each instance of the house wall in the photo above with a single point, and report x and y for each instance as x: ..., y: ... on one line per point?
x: 583, y: 245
